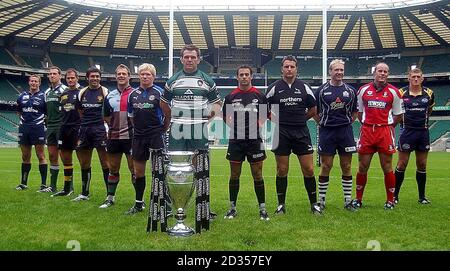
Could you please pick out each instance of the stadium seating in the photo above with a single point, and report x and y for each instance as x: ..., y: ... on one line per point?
x: 7, y: 92
x: 5, y: 58
x: 9, y: 123
x: 436, y: 63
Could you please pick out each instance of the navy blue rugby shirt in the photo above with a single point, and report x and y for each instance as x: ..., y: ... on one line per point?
x: 416, y: 108
x: 143, y: 107
x: 32, y: 108
x: 335, y: 104
x: 293, y: 101
x: 90, y: 102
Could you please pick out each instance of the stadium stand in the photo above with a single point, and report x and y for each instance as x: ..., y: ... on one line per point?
x: 6, y: 58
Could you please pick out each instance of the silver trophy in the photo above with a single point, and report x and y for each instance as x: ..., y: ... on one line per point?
x: 180, y: 187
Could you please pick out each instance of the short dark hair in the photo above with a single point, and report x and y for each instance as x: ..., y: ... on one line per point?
x: 91, y: 70
x: 72, y: 70
x: 244, y: 67
x: 55, y: 68
x: 190, y: 47
x: 289, y: 58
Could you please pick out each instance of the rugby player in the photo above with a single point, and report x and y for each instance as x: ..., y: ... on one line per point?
x: 292, y: 103
x: 185, y: 101
x: 245, y: 111
x: 148, y: 121
x: 380, y: 108
x: 120, y: 131
x: 68, y: 132
x: 54, y: 117
x: 32, y: 110
x: 418, y: 101
x: 92, y: 130
x: 336, y: 111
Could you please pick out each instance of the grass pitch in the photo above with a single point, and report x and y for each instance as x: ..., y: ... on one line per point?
x: 34, y: 221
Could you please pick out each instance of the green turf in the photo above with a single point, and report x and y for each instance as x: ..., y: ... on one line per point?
x: 34, y: 221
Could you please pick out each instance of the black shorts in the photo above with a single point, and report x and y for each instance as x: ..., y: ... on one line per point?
x: 414, y: 140
x: 52, y: 135
x: 340, y: 139
x: 118, y: 146
x: 142, y: 146
x: 68, y: 137
x: 292, y: 139
x: 252, y: 149
x: 93, y: 136
x: 31, y: 135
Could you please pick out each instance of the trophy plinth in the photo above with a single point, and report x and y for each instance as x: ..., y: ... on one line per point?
x: 180, y: 187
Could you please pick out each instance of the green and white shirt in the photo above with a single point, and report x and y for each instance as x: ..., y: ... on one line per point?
x: 54, y: 113
x: 189, y: 95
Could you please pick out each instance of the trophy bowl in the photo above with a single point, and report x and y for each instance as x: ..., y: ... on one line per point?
x: 180, y: 187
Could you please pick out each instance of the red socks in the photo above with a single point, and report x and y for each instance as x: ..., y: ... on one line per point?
x: 361, y: 180
x: 389, y: 184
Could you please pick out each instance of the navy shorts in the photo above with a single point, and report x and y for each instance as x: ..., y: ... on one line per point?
x: 31, y: 135
x: 92, y: 136
x: 340, y: 139
x: 293, y: 139
x: 414, y: 140
x: 142, y: 146
x: 252, y: 149
x: 68, y: 137
x: 118, y: 146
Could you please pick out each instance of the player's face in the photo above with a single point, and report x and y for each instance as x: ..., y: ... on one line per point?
x: 415, y: 79
x: 190, y: 61
x: 34, y: 83
x: 381, y: 73
x: 146, y: 79
x: 53, y: 76
x: 122, y: 77
x: 71, y: 80
x: 337, y: 72
x: 289, y: 69
x: 94, y: 80
x: 244, y: 78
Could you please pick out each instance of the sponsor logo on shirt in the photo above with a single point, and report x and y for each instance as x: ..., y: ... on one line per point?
x: 346, y: 94
x: 188, y: 92
x: 377, y: 104
x: 29, y: 110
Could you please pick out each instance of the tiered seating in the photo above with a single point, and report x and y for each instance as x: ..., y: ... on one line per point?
x: 438, y: 129
x: 8, y: 126
x: 7, y: 92
x: 32, y: 61
x: 441, y: 94
x: 5, y: 58
x: 65, y: 61
x: 436, y: 63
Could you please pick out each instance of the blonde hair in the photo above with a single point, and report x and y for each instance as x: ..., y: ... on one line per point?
x: 147, y: 67
x: 334, y: 62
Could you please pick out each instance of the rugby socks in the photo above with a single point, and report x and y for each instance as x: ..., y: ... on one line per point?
x: 233, y: 187
x: 399, y: 177
x: 105, y: 177
x: 139, y: 187
x: 323, y: 187
x: 68, y: 177
x: 43, y: 171
x: 113, y: 181
x: 85, y: 181
x: 54, y: 170
x: 260, y: 193
x: 421, y: 178
x: 361, y: 180
x: 25, y: 169
x: 347, y: 183
x: 389, y: 184
x: 311, y: 189
x: 281, y: 184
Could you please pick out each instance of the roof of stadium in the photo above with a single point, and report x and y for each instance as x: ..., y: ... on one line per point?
x: 395, y: 26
